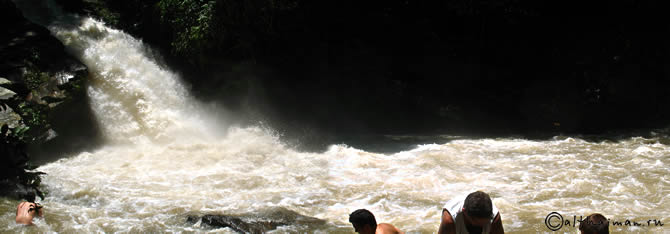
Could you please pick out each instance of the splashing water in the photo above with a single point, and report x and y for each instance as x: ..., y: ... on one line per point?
x: 150, y: 187
x: 164, y: 160
x: 133, y: 98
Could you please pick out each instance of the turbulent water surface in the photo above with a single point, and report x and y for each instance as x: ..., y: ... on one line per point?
x: 164, y: 160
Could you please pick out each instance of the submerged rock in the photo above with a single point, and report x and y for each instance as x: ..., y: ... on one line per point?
x: 235, y: 223
x: 260, y: 222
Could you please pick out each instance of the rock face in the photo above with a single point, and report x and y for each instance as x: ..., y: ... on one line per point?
x: 37, y: 78
x: 15, y: 180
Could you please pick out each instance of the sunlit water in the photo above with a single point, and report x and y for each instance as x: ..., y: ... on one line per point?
x: 164, y: 160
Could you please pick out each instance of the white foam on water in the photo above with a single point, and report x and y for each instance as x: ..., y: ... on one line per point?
x: 121, y: 187
x: 249, y: 170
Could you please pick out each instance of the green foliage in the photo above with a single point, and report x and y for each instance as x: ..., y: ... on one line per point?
x: 123, y: 14
x: 109, y: 17
x: 16, y: 167
x: 220, y: 27
x: 34, y: 79
x: 191, y: 21
x: 34, y: 115
x: 32, y: 179
x: 199, y: 29
x: 19, y: 132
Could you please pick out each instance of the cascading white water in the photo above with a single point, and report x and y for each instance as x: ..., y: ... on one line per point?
x: 132, y: 97
x: 164, y: 161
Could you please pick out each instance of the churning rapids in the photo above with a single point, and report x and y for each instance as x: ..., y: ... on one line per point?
x: 165, y: 160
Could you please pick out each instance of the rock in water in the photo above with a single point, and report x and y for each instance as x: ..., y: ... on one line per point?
x: 238, y: 225
x: 260, y: 222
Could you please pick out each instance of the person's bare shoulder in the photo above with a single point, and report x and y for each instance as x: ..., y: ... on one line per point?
x: 385, y: 228
x: 447, y: 224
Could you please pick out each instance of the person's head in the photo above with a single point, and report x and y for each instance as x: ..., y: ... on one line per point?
x: 34, y: 207
x: 478, y: 209
x: 363, y: 221
x: 26, y: 211
x: 594, y: 224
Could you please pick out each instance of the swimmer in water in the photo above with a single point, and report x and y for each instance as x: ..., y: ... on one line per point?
x: 26, y: 211
x: 364, y: 223
x: 594, y: 224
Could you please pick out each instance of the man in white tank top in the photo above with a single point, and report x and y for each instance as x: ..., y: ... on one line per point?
x: 472, y: 214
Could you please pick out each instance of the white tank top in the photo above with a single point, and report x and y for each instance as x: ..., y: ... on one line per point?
x: 455, y: 206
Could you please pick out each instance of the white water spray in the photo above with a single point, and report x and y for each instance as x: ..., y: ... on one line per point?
x: 133, y: 98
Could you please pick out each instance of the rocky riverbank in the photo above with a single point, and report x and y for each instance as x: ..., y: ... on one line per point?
x: 37, y: 79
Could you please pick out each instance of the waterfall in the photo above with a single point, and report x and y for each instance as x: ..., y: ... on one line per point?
x: 133, y: 97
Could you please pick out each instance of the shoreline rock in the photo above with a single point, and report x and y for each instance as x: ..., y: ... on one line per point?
x: 38, y: 77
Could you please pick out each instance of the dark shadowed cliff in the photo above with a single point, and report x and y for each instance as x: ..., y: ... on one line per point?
x: 38, y: 81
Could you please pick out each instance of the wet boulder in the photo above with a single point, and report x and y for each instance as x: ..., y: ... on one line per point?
x: 260, y: 222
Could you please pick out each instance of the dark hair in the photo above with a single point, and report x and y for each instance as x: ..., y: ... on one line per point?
x: 35, y: 206
x: 595, y: 223
x: 361, y: 217
x: 478, y: 205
